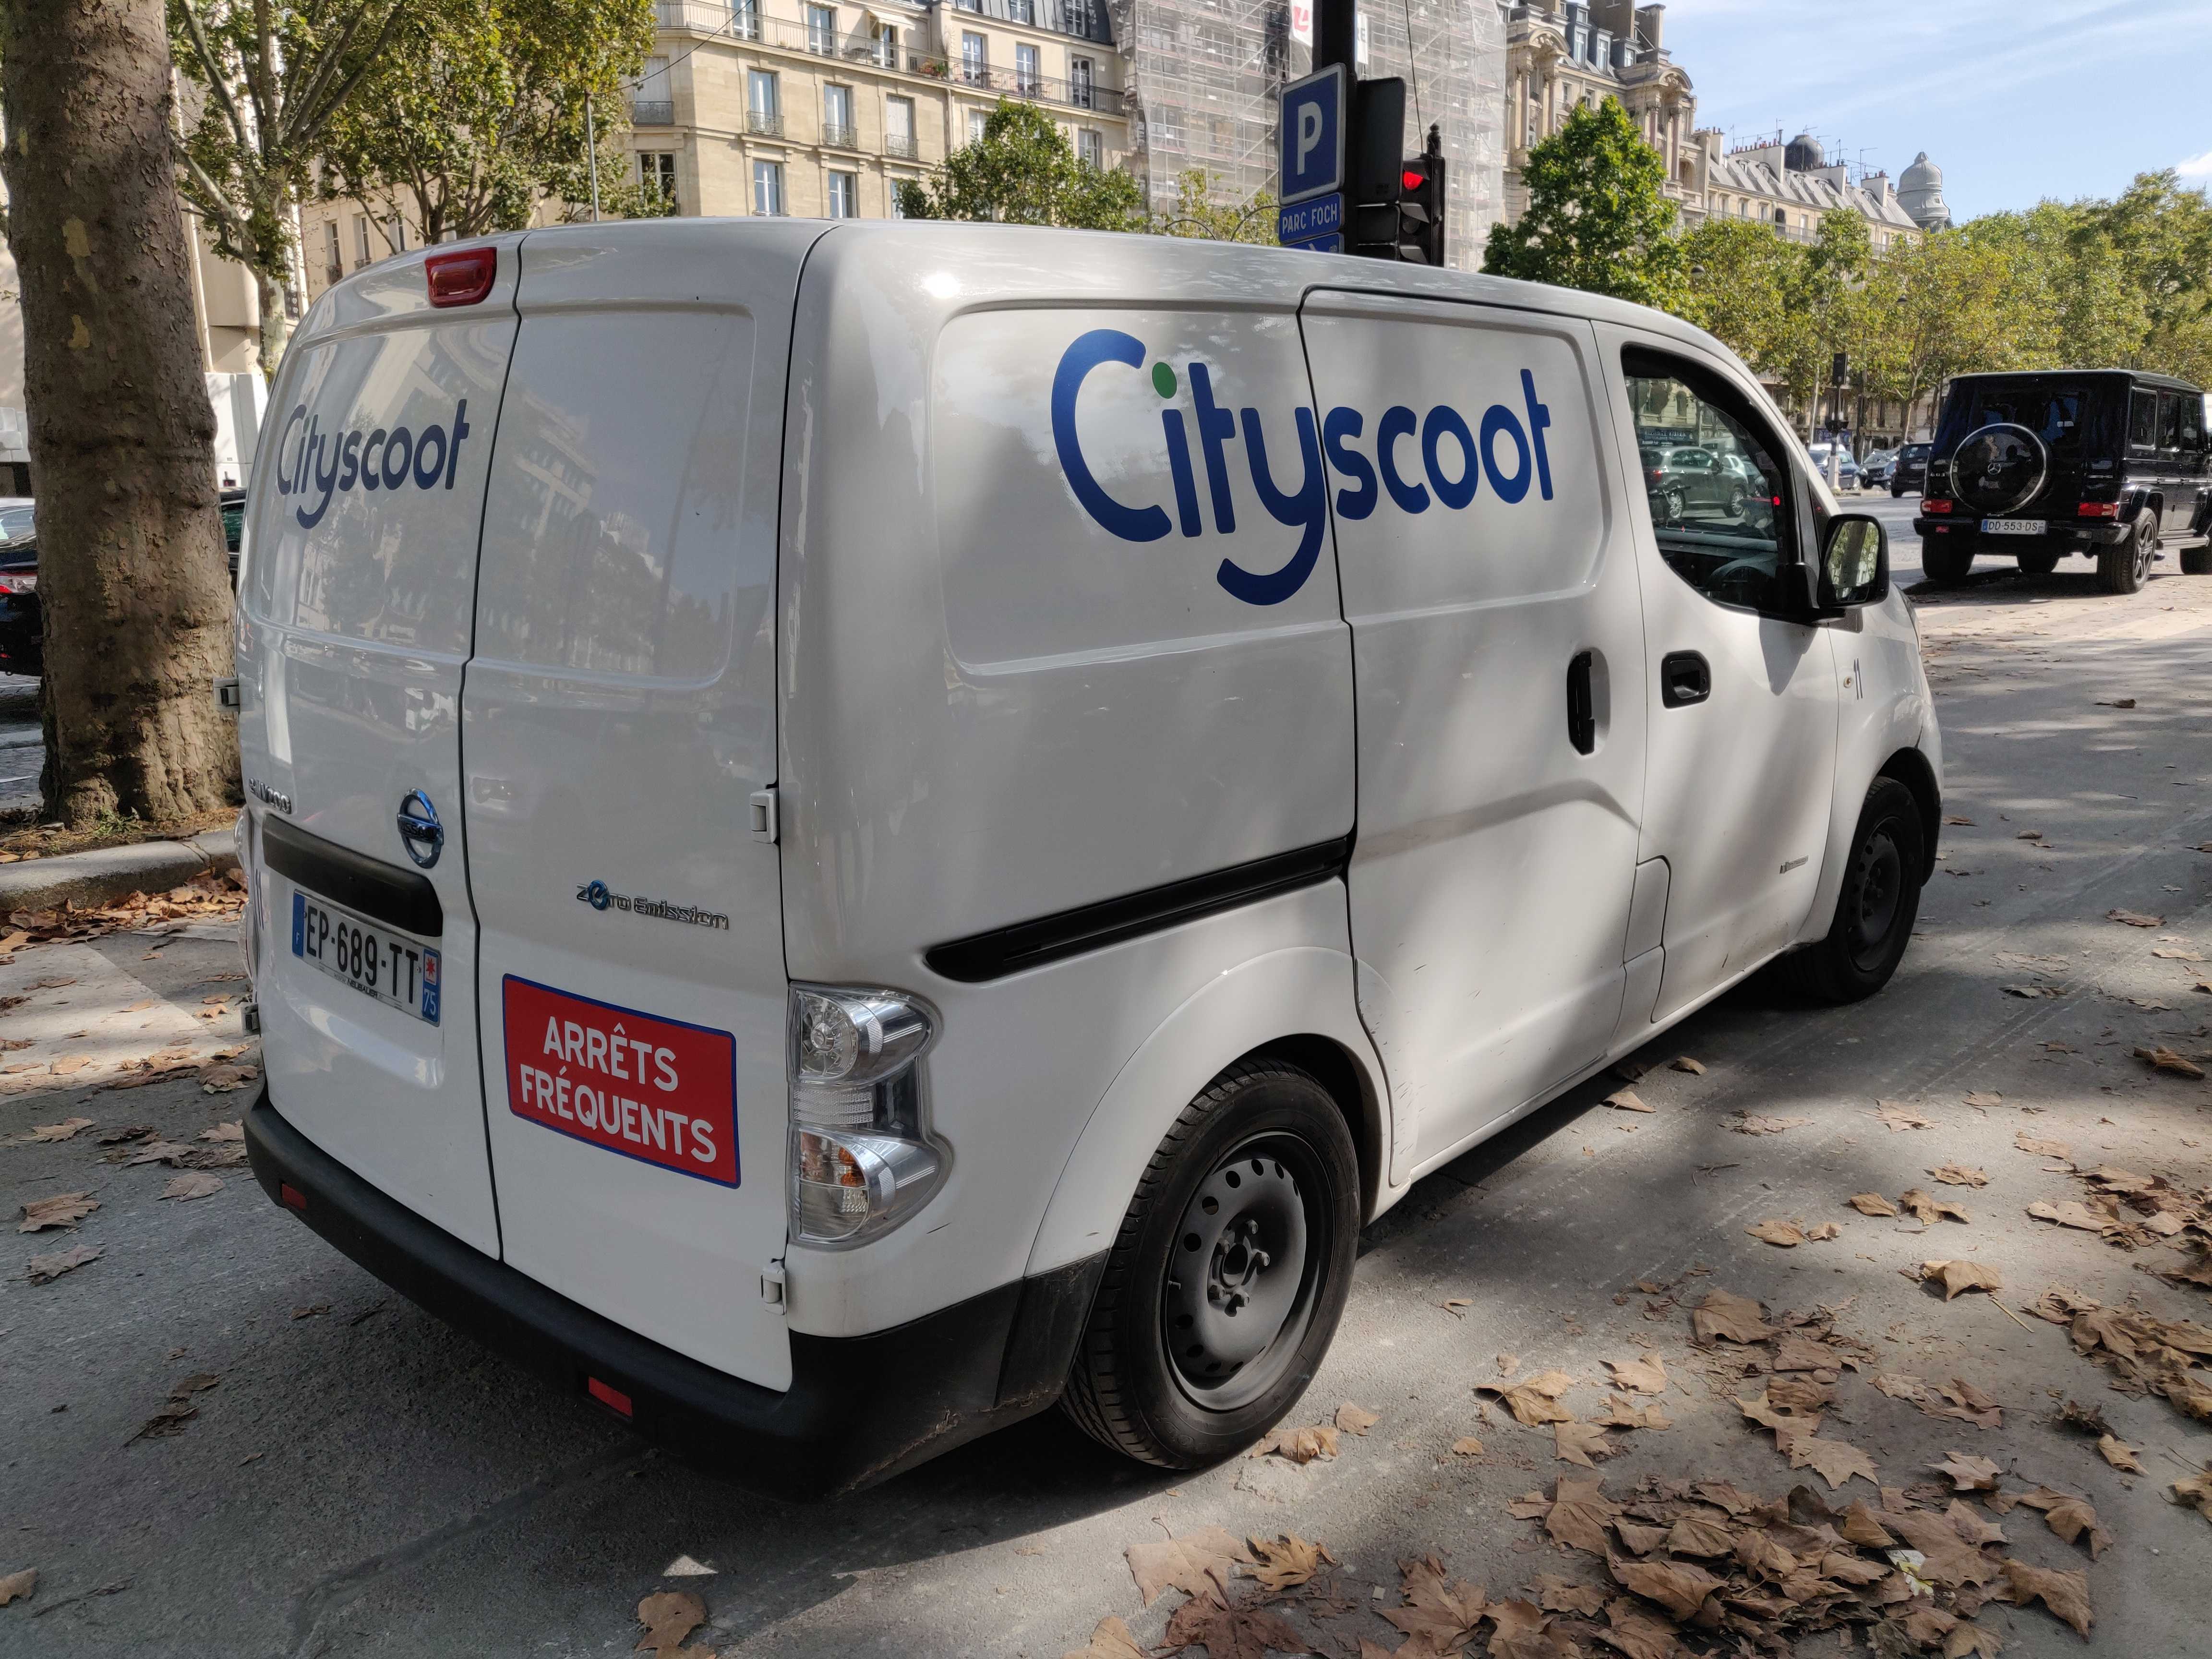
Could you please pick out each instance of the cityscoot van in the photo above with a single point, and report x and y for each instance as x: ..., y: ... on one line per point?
x: 856, y: 830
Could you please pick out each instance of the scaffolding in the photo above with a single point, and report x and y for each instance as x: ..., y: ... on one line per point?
x: 1205, y: 79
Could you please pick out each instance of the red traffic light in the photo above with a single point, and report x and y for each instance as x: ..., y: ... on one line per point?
x: 1413, y: 178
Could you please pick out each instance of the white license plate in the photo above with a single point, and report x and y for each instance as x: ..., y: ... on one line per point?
x: 2015, y: 527
x: 399, y: 970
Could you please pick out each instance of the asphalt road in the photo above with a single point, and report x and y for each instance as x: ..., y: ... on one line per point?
x: 363, y: 1480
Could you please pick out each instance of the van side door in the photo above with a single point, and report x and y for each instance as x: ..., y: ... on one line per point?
x: 1490, y: 584
x: 1742, y: 748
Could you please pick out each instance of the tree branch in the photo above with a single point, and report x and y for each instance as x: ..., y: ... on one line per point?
x: 218, y: 84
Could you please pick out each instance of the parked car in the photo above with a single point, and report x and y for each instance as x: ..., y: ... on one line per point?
x: 1847, y: 468
x: 1678, y: 477
x: 1912, y: 470
x: 1875, y: 466
x: 2113, y: 464
x: 934, y: 976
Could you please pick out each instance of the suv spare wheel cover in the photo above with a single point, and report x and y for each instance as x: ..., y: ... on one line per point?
x: 1999, y: 468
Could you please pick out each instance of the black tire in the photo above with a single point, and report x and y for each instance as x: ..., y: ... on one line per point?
x: 1946, y: 561
x: 1895, y: 490
x: 2041, y: 562
x: 2197, y: 560
x: 1675, y: 502
x: 1877, y: 907
x: 1262, y: 1165
x: 2124, y: 566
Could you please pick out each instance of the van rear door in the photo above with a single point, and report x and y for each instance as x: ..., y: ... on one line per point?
x: 353, y: 633
x: 620, y: 716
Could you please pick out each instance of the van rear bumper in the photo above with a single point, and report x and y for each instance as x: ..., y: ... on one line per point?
x: 859, y: 1409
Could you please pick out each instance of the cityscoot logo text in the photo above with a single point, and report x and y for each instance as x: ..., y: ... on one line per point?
x: 600, y: 896
x: 1447, y: 460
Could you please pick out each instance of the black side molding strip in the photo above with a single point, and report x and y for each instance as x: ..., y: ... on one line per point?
x: 382, y: 892
x: 1006, y: 951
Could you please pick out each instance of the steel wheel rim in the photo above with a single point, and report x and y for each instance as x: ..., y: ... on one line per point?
x: 1878, y: 868
x: 1243, y: 1276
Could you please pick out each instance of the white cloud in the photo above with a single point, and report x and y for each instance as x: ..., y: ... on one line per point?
x: 2197, y: 166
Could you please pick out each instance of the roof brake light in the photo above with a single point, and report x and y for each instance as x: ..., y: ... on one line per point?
x: 462, y: 277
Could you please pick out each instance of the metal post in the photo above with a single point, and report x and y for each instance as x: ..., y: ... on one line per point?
x: 1336, y: 29
x: 591, y: 154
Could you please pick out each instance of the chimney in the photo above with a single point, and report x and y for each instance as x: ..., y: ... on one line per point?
x: 1648, y: 20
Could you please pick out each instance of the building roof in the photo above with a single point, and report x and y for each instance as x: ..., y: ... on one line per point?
x: 1747, y: 173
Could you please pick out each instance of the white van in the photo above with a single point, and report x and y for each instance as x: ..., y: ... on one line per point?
x: 857, y: 831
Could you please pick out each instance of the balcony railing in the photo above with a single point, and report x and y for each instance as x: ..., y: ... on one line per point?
x: 837, y: 138
x: 763, y: 124
x: 900, y: 144
x: 652, y: 112
x: 860, y: 48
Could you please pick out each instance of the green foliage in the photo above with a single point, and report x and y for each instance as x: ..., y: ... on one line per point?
x: 267, y: 78
x: 1597, y: 217
x: 475, y: 111
x: 1023, y: 171
x: 1196, y: 215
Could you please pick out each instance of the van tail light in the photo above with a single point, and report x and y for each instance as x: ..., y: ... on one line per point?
x: 2098, y: 510
x: 609, y: 1397
x: 1934, y: 504
x: 862, y: 1158
x: 462, y: 277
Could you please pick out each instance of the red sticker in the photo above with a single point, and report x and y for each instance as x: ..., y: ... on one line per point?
x: 656, y: 1089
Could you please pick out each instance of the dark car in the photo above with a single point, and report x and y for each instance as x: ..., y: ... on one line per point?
x: 1875, y: 466
x: 1681, y: 476
x: 2110, y: 463
x: 1910, y: 471
x: 22, y: 620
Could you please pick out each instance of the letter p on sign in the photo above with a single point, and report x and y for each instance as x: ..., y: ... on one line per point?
x: 1309, y: 131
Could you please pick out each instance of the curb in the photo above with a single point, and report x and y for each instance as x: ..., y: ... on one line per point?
x: 109, y: 873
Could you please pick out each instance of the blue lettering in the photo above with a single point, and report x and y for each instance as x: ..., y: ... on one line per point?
x: 1445, y: 421
x: 325, y: 482
x: 1539, y: 418
x: 402, y: 443
x: 350, y: 450
x: 1337, y: 433
x: 367, y: 468
x: 426, y: 469
x: 460, y: 431
x: 1397, y: 422
x: 1100, y: 345
x: 1186, y: 486
x: 1510, y: 486
x: 1215, y: 426
x: 285, y: 485
x: 1309, y: 508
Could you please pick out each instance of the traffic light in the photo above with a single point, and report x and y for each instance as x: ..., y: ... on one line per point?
x: 1377, y: 140
x: 1421, y: 206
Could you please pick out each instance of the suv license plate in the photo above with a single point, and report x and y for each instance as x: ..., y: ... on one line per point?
x: 2015, y: 527
x: 398, y: 971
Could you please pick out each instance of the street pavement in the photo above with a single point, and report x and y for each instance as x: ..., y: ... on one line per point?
x: 362, y: 1480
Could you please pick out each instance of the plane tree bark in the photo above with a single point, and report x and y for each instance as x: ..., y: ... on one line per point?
x: 132, y: 566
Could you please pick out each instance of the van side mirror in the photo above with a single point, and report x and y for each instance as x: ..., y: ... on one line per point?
x: 1854, y: 563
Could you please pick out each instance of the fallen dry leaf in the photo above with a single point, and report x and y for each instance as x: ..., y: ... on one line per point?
x: 1438, y: 1615
x: 1983, y: 1098
x: 1929, y: 1208
x: 1636, y: 1633
x: 1896, y: 1117
x: 191, y: 1186
x: 2120, y: 1454
x: 1558, y: 1594
x: 1535, y: 1402
x: 16, y: 1585
x: 1467, y: 1446
x: 1683, y: 1063
x: 1581, y: 1443
x: 1752, y: 1123
x: 2169, y: 955
x: 2196, y: 1492
x: 1199, y: 1564
x: 2135, y: 919
x: 1645, y: 1375
x: 1287, y: 1561
x: 1834, y: 1460
x: 1872, y: 1203
x: 1627, y: 1100
x: 668, y: 1616
x: 1111, y: 1640
x: 1579, y: 1514
x: 1957, y: 1277
x: 1967, y: 1472
x: 2164, y: 1059
x: 1736, y: 1318
x: 1785, y: 1234
x: 45, y: 1268
x: 1300, y: 1445
x: 2066, y: 1593
x: 1356, y: 1419
x: 62, y: 1210
x: 178, y: 1410
x: 233, y: 1130
x: 222, y: 1079
x: 1961, y: 1174
x: 2042, y: 1146
x: 1245, y: 1633
x: 2070, y: 1213
x: 68, y: 1129
x: 1453, y: 1305
x: 1677, y: 1586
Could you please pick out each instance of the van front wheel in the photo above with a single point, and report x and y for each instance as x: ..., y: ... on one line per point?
x: 1225, y: 1282
x: 1877, y: 907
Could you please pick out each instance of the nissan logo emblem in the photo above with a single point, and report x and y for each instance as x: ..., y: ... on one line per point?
x: 419, y: 832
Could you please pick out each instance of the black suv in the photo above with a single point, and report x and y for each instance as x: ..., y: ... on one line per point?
x: 1910, y: 471
x: 2106, y: 462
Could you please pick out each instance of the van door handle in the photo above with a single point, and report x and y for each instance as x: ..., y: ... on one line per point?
x: 1685, y: 677
x: 1582, y: 711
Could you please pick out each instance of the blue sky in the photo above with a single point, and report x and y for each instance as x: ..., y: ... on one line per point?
x: 2015, y: 100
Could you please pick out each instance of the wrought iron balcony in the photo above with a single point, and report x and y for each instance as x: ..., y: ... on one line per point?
x: 900, y: 144
x: 763, y: 123
x: 653, y: 112
x: 839, y: 137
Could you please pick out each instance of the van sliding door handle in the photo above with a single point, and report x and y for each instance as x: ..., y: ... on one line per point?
x: 1685, y: 677
x: 1581, y: 710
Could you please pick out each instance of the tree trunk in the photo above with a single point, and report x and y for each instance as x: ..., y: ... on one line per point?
x: 276, y: 326
x: 132, y: 570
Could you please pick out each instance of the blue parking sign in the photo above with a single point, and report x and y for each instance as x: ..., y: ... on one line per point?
x: 1313, y: 134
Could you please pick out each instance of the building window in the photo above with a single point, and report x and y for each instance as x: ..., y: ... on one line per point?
x: 837, y: 119
x: 1090, y: 147
x: 361, y: 256
x: 974, y: 60
x: 395, y: 232
x: 333, y: 255
x: 767, y: 189
x: 891, y: 188
x: 844, y: 194
x: 822, y: 30
x: 886, y: 38
x: 976, y: 118
x: 1021, y: 11
x: 764, y: 106
x: 968, y: 5
x: 898, y: 127
x: 656, y: 174
x: 1029, y: 74
x: 745, y: 19
x: 1081, y: 80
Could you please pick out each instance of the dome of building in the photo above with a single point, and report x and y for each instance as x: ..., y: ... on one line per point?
x: 1920, y: 193
x: 1803, y: 154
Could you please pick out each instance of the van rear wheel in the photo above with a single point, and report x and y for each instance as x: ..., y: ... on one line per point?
x: 1225, y: 1282
x: 1877, y: 907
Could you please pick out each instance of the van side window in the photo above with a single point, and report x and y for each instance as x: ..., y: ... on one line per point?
x: 1719, y: 491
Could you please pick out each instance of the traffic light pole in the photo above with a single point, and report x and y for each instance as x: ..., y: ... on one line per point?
x: 1336, y: 34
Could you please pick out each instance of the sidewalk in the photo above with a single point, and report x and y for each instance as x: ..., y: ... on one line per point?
x: 106, y: 874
